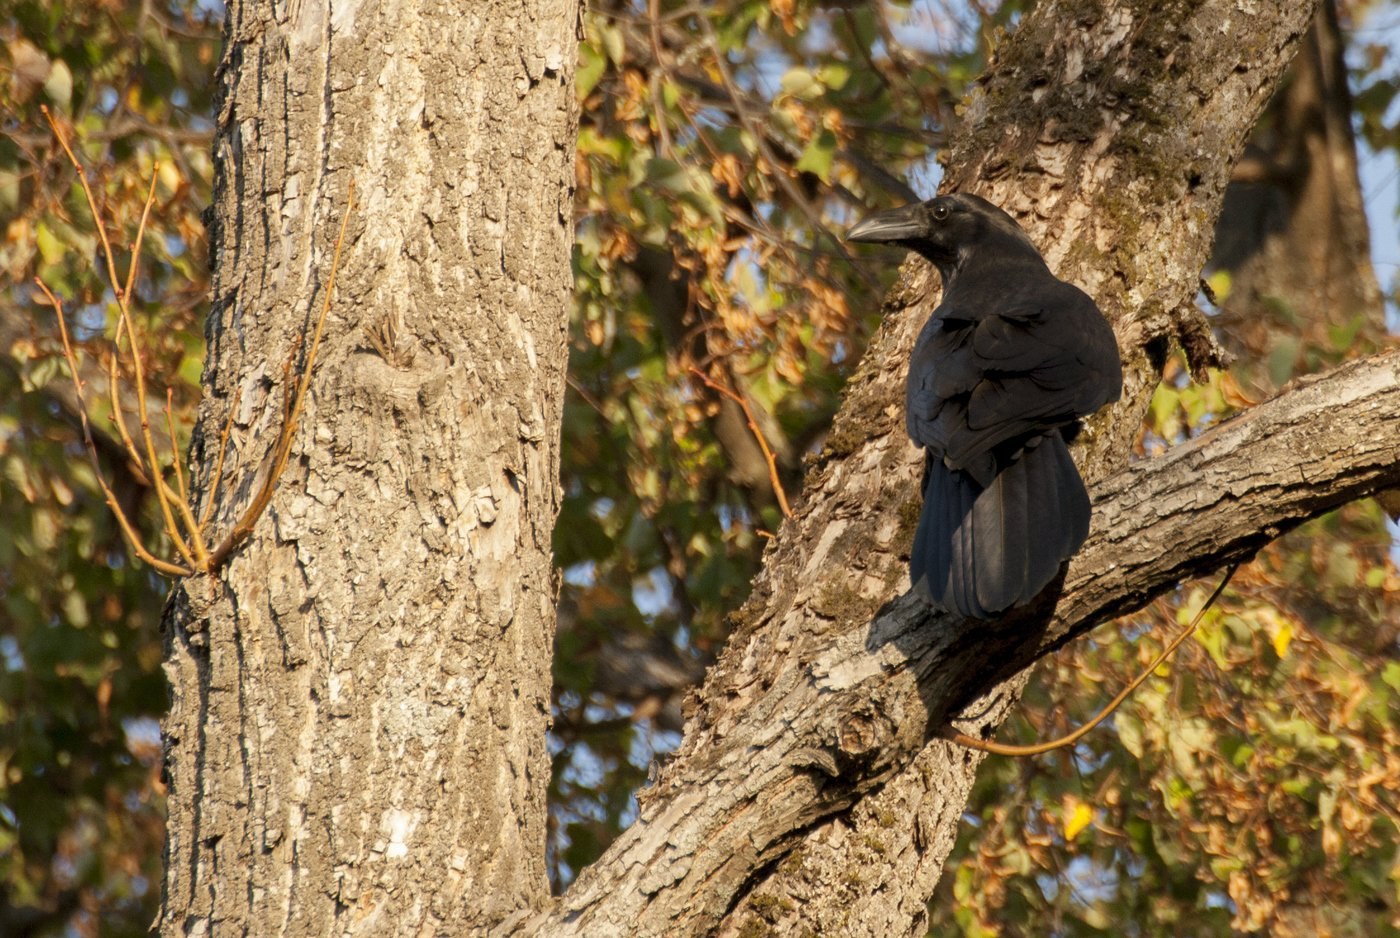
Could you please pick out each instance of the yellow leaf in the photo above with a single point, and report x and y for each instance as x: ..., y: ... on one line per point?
x: 1220, y: 284
x: 1079, y: 819
x: 170, y: 178
x: 1282, y: 638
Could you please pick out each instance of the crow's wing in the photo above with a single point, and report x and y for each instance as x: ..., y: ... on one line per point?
x: 1040, y: 360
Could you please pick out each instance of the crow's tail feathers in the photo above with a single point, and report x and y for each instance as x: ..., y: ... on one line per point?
x: 981, y: 551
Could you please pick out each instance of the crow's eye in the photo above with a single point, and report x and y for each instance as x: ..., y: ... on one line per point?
x: 940, y: 212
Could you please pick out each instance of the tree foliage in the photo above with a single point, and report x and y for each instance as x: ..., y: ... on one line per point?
x: 81, y: 821
x: 1251, y: 785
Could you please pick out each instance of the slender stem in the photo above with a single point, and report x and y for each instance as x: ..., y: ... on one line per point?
x: 127, y: 529
x: 174, y: 444
x: 141, y: 233
x: 182, y: 503
x: 164, y: 496
x: 758, y: 435
x: 213, y: 489
x: 133, y: 455
x: 1008, y: 750
x: 91, y: 201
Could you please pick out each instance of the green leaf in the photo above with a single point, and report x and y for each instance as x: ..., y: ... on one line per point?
x: 1165, y: 403
x: 1283, y: 358
x: 58, y: 87
x: 834, y: 75
x: 613, y: 42
x: 801, y: 83
x: 1129, y: 734
x: 591, y: 67
x: 670, y: 93
x: 75, y: 609
x: 1326, y: 805
x: 819, y: 155
x: 591, y: 143
x: 51, y: 249
x: 1222, y: 867
x: 1211, y: 637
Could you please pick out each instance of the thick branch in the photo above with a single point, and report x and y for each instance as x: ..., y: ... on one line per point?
x: 1109, y: 130
x: 1216, y: 499
x: 863, y: 707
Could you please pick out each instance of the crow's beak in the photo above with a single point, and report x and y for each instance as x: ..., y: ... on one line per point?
x: 896, y: 224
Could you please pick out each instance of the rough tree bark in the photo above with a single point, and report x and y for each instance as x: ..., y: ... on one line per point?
x: 356, y: 738
x: 355, y: 744
x: 804, y: 796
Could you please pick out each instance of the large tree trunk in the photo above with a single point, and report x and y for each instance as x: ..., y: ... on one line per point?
x: 804, y: 794
x: 356, y: 739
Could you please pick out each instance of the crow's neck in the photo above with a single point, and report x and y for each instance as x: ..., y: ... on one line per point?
x: 999, y: 258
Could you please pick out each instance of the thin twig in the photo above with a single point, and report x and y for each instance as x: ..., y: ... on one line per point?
x: 175, y: 504
x: 140, y: 234
x: 283, y: 447
x: 194, y: 552
x: 133, y: 455
x: 1008, y: 750
x: 219, y: 463
x: 91, y: 200
x: 175, y: 445
x: 128, y: 531
x: 758, y: 435
x: 182, y: 504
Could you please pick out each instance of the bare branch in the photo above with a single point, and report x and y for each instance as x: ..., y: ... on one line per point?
x: 1070, y: 739
x: 186, y: 531
x: 219, y: 463
x: 757, y: 434
x: 133, y: 539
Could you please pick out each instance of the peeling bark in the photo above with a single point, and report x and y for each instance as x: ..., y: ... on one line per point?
x: 356, y: 738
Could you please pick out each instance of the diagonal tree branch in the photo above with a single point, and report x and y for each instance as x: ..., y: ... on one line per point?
x: 1212, y: 501
x: 861, y: 708
x: 1111, y: 132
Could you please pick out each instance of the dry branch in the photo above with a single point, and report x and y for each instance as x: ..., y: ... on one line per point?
x: 1069, y: 739
x: 186, y: 532
x: 811, y: 739
x: 767, y: 450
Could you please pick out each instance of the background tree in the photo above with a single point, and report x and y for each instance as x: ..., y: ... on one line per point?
x: 704, y: 156
x: 1294, y: 681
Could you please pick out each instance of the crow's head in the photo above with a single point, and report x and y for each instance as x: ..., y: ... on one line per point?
x: 946, y: 230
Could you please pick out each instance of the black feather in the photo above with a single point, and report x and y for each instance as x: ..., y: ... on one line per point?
x: 1009, y: 361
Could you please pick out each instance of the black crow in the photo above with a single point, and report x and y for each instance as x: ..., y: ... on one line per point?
x: 1000, y: 376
